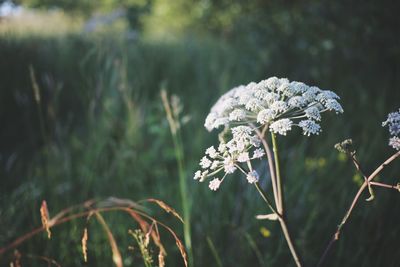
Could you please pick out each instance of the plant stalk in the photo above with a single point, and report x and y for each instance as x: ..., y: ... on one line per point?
x: 279, y: 181
x: 178, y: 149
x: 280, y: 205
x: 336, y: 235
x: 289, y: 241
x: 270, y: 159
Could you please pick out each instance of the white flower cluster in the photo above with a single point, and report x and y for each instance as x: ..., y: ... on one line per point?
x: 275, y: 102
x: 243, y: 147
x: 393, y: 122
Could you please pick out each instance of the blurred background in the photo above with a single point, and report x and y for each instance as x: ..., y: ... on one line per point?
x: 99, y: 128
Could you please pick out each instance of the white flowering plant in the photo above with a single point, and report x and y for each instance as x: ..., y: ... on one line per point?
x: 393, y: 122
x: 246, y: 114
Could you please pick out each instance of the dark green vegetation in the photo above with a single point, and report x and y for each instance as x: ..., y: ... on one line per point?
x: 101, y: 131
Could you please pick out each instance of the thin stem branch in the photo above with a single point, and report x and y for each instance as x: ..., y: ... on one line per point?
x: 359, y: 169
x: 277, y: 190
x: 266, y: 199
x: 396, y: 187
x: 261, y: 135
x: 281, y: 210
x: 336, y: 235
x: 279, y: 181
x: 290, y: 243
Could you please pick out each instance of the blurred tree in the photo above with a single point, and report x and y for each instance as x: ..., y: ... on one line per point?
x: 135, y: 9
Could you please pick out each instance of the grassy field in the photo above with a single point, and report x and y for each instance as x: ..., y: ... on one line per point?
x: 100, y: 130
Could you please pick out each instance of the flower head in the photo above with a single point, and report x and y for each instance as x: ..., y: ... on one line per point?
x: 214, y: 184
x: 281, y: 126
x: 274, y: 104
x: 310, y: 127
x: 270, y: 101
x: 252, y: 177
x: 393, y: 122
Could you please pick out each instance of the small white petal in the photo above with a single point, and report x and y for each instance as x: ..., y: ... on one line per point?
x: 214, y: 184
x: 258, y: 153
x: 281, y: 126
x: 310, y: 127
x: 205, y: 162
x: 197, y: 175
x: 243, y: 157
x: 252, y: 177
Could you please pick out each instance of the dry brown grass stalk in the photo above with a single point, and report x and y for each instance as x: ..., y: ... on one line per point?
x: 148, y: 225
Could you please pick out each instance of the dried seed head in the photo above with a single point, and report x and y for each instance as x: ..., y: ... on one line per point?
x: 44, y: 215
x: 84, y: 244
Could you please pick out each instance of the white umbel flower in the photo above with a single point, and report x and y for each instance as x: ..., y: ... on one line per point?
x: 205, y: 162
x: 212, y: 152
x: 393, y: 122
x: 253, y: 104
x: 272, y: 83
x: 395, y: 142
x: 215, y: 164
x: 243, y: 157
x: 313, y: 113
x: 274, y: 104
x: 229, y: 165
x: 279, y: 106
x: 265, y: 116
x: 214, y: 184
x: 281, y: 126
x: 332, y: 104
x: 297, y: 102
x: 252, y: 177
x: 310, y: 127
x: 197, y: 175
x: 222, y: 147
x: 237, y: 115
x: 258, y: 153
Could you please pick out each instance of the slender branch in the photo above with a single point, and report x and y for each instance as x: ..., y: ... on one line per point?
x: 278, y: 175
x: 261, y: 135
x: 266, y: 199
x: 283, y: 224
x: 281, y: 210
x: 277, y: 189
x: 359, y: 169
x: 336, y: 235
x: 396, y: 187
x: 290, y: 243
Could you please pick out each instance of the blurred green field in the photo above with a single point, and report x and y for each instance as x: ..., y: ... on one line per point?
x: 101, y: 131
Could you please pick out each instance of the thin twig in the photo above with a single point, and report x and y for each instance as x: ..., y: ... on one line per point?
x: 290, y: 242
x: 336, y: 235
x: 261, y: 135
x: 396, y: 187
x: 359, y: 169
x: 277, y: 190
x: 266, y: 199
x: 279, y: 181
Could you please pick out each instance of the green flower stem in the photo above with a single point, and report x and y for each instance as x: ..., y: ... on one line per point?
x: 280, y: 206
x: 265, y: 198
x: 261, y: 135
x: 289, y: 241
x: 184, y: 195
x: 178, y: 149
x: 278, y: 175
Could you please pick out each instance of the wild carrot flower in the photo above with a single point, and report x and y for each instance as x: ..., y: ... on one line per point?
x: 275, y: 104
x: 393, y: 122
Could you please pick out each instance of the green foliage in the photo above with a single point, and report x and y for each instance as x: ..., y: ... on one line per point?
x: 82, y: 6
x: 106, y: 131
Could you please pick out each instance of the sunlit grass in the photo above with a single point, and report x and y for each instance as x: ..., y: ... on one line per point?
x: 42, y: 23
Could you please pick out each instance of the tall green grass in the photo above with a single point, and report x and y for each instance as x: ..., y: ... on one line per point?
x: 108, y: 135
